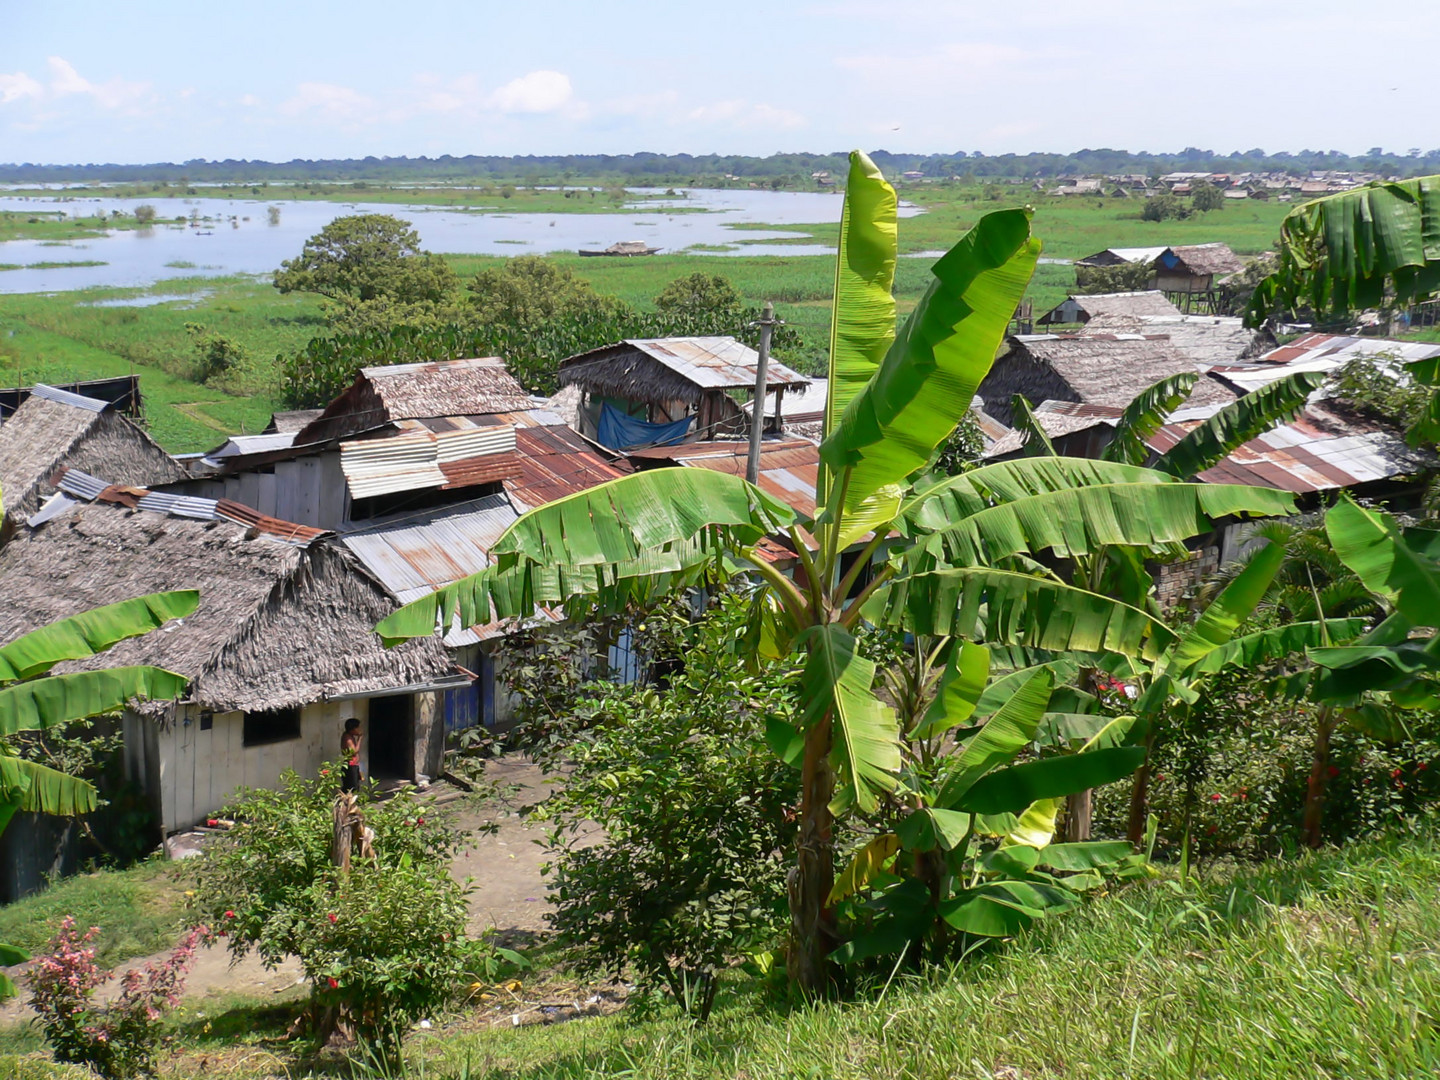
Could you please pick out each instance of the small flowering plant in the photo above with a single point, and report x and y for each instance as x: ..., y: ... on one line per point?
x: 121, y: 1039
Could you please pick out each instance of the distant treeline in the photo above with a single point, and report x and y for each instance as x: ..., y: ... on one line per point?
x: 681, y: 168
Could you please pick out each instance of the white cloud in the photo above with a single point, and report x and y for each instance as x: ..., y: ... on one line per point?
x: 17, y: 86
x: 249, y: 100
x: 329, y: 100
x: 114, y: 94
x: 537, y: 92
x: 739, y: 113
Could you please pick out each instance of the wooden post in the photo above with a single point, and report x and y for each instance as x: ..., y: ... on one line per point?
x: 757, y: 406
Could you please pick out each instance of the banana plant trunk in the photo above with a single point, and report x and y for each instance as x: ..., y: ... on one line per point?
x: 1319, y: 773
x: 1140, y: 797
x: 812, y: 923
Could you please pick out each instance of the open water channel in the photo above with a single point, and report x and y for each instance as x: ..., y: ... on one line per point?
x: 235, y: 236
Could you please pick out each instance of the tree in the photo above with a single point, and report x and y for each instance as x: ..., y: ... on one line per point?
x: 32, y: 699
x: 529, y: 291
x: 1206, y: 196
x: 1122, y: 277
x: 699, y: 293
x: 366, y: 257
x: 960, y: 567
x: 1163, y: 207
x: 145, y: 214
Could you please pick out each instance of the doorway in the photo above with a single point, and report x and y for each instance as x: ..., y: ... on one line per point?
x: 392, y: 740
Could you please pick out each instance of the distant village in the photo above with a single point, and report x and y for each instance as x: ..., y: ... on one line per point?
x: 301, y: 538
x: 1276, y: 185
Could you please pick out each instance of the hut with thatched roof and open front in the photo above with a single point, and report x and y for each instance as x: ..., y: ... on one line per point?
x: 661, y: 391
x: 1095, y: 369
x: 54, y: 429
x: 280, y: 653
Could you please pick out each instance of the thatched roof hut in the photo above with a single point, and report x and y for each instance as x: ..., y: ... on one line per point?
x: 1195, y: 267
x: 1084, y: 307
x: 1097, y: 369
x: 384, y: 395
x: 671, y: 379
x: 1206, y: 339
x: 281, y: 623
x: 54, y: 429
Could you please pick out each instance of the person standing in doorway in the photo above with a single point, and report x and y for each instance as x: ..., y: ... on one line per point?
x: 350, y: 750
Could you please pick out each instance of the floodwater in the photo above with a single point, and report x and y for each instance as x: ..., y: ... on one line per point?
x: 234, y: 236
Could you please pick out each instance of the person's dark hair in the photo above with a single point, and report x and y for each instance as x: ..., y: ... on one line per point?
x: 352, y: 724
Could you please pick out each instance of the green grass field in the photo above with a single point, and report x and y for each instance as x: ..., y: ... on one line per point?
x: 1322, y: 968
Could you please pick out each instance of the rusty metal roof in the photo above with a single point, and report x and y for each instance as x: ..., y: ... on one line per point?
x: 554, y: 462
x: 76, y: 485
x: 1322, y: 352
x: 1323, y: 449
x: 788, y: 467
x: 460, y: 455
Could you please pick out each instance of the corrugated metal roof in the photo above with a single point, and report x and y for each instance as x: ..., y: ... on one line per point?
x: 555, y: 462
x: 715, y: 362
x: 65, y: 397
x: 420, y: 458
x: 83, y: 486
x: 788, y: 468
x: 1322, y: 352
x: 238, y: 445
x: 1321, y: 450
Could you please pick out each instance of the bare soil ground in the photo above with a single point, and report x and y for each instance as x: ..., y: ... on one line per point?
x: 504, y: 867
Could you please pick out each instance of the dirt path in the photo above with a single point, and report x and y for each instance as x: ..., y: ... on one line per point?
x: 509, y: 892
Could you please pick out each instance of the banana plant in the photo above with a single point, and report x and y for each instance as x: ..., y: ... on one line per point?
x: 950, y: 558
x: 964, y: 850
x: 33, y: 699
x: 1376, y: 245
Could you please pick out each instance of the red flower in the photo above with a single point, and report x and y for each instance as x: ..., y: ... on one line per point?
x: 229, y: 914
x: 211, y: 822
x: 1334, y: 771
x: 420, y: 821
x: 334, y: 983
x: 333, y: 917
x: 1394, y: 774
x: 1422, y: 765
x: 1216, y: 797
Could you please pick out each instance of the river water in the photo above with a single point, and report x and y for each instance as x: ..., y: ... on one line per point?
x: 235, y: 236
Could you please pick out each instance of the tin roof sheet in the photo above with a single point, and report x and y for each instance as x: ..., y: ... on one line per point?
x: 713, y: 363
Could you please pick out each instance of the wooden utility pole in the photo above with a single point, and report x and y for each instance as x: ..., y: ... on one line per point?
x: 757, y: 406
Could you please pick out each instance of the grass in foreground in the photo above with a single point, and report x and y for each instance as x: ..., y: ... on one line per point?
x: 1322, y: 967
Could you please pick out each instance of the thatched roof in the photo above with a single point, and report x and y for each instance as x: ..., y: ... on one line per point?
x: 1098, y: 369
x: 1202, y: 259
x: 1148, y: 302
x: 1206, y: 339
x: 279, y: 624
x: 383, y: 395
x: 55, y: 428
x: 293, y: 421
x: 660, y: 370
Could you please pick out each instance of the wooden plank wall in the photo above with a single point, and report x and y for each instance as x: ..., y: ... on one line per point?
x: 199, y: 770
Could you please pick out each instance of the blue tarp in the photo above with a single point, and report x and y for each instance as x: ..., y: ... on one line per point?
x: 621, y: 432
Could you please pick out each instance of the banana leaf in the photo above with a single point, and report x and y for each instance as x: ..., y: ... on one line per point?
x: 1085, y: 519
x: 1250, y: 650
x: 58, y: 699
x: 91, y: 632
x: 1222, y: 617
x: 1037, y: 443
x: 929, y: 376
x: 1084, y: 855
x: 1001, y: 607
x: 1348, y: 251
x: 1238, y: 423
x: 863, y: 326
x: 1370, y: 543
x: 1003, y: 736
x: 864, y: 737
x: 40, y: 789
x: 961, y: 685
x: 1145, y: 415
x: 869, y: 861
x: 1004, y: 908
x: 619, y: 535
x: 1010, y: 791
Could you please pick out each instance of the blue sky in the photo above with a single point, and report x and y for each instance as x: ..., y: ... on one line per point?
x: 85, y: 81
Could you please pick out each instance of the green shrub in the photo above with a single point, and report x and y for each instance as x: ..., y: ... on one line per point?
x: 383, y: 943
x: 694, y: 810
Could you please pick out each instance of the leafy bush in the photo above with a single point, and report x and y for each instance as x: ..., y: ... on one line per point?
x: 383, y: 943
x: 1164, y: 207
x: 219, y: 355
x: 1122, y: 277
x: 695, y: 815
x: 119, y: 1040
x: 145, y: 214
